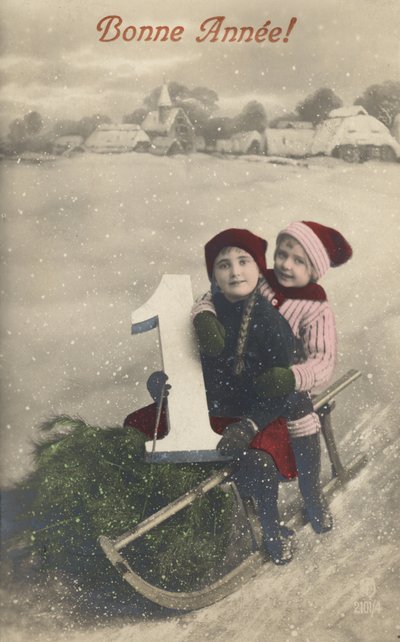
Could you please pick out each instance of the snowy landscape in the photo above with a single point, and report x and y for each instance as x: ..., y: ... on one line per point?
x: 85, y: 241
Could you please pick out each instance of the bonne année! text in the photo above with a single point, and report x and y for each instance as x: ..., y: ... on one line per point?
x: 112, y: 28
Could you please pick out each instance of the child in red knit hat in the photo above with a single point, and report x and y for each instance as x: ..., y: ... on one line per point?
x: 304, y: 252
x: 244, y: 340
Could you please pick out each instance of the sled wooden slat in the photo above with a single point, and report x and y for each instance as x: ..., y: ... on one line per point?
x: 340, y: 384
x: 173, y: 507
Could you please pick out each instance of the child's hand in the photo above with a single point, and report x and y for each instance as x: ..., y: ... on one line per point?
x: 157, y: 386
x: 210, y: 333
x: 275, y: 382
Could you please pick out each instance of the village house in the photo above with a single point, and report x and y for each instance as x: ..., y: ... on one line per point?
x: 351, y: 134
x: 251, y: 142
x: 117, y: 138
x: 169, y: 128
x: 67, y: 144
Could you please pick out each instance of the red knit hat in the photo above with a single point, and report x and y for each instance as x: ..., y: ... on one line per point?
x: 234, y: 237
x: 325, y: 246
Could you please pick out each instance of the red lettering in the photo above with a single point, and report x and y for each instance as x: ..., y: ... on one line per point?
x: 290, y: 27
x: 275, y: 34
x: 261, y: 34
x: 242, y: 34
x: 165, y: 34
x: 216, y: 23
x: 110, y: 28
x: 126, y: 33
x: 108, y: 22
x: 143, y: 30
x: 226, y: 34
x: 176, y: 33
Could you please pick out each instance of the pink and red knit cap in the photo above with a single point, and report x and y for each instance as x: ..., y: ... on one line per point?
x: 324, y: 246
x: 235, y: 237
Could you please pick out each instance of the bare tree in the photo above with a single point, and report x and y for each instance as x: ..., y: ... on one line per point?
x: 382, y: 101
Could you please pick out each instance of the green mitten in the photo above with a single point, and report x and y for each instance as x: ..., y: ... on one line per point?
x: 275, y: 382
x: 210, y: 333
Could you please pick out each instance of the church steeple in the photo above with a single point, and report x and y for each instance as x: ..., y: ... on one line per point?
x: 164, y: 103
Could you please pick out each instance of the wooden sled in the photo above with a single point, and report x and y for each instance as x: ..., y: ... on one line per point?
x: 249, y: 567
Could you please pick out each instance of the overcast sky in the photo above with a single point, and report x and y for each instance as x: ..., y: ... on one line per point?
x: 53, y: 62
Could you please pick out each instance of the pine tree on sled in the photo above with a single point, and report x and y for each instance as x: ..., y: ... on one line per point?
x: 155, y: 495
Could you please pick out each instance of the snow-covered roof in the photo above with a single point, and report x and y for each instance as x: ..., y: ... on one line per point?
x: 294, y: 124
x: 360, y: 129
x: 121, y: 127
x: 346, y: 112
x: 72, y: 139
x: 116, y: 139
x: 152, y: 121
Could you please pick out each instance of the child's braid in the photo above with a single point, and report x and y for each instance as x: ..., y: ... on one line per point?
x: 244, y: 333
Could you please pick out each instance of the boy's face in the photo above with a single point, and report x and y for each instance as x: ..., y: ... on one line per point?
x: 236, y: 273
x: 292, y: 266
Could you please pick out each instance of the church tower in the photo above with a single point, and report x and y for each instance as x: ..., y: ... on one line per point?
x: 164, y: 103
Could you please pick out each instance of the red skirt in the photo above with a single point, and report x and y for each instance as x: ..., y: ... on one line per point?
x: 273, y: 439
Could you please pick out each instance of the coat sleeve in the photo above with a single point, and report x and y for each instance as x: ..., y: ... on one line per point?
x: 319, y: 341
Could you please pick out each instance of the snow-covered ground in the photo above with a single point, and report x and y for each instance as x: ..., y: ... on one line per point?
x: 84, y: 242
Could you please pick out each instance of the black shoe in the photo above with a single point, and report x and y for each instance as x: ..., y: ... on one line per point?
x: 280, y: 550
x: 320, y: 517
x: 286, y: 532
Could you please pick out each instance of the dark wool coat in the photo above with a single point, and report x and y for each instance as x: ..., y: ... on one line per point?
x: 270, y: 343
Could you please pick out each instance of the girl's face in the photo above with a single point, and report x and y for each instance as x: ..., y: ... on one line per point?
x: 292, y: 267
x: 236, y: 273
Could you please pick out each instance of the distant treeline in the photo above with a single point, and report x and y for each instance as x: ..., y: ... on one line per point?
x: 201, y: 106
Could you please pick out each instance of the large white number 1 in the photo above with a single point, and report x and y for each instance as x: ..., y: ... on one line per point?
x: 168, y: 309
